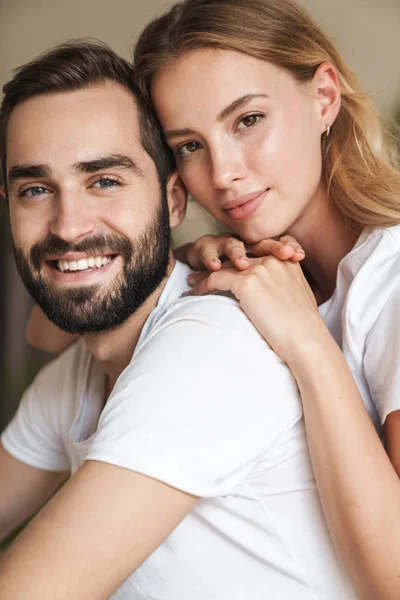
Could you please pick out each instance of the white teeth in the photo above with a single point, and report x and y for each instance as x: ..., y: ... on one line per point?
x: 83, y: 263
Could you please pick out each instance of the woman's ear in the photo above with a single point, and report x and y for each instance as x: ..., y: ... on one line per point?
x: 328, y: 96
x: 177, y: 199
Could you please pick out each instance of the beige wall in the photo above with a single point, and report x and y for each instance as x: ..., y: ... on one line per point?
x: 366, y: 31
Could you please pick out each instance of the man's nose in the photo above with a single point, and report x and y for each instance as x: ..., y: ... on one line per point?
x: 73, y: 219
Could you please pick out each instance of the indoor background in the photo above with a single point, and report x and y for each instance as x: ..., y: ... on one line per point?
x: 366, y: 32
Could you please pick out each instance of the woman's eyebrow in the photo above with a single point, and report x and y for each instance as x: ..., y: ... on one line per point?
x: 238, y: 103
x: 225, y: 112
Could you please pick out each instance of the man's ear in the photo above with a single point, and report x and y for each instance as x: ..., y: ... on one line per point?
x: 177, y: 199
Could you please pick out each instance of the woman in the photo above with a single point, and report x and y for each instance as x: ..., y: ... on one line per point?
x: 272, y: 135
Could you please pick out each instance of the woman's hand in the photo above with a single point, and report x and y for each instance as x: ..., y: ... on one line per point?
x: 207, y: 251
x: 277, y: 299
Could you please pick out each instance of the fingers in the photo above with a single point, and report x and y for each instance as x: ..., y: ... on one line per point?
x: 209, y: 283
x: 285, y: 248
x: 195, y: 278
x: 204, y: 253
x: 235, y: 252
x: 208, y: 250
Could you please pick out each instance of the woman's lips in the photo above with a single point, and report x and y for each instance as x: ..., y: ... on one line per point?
x: 247, y: 208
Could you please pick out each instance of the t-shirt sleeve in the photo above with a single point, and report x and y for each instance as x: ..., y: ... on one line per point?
x: 34, y: 435
x: 203, y: 400
x: 382, y: 357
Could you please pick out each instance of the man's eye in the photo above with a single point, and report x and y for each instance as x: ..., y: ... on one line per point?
x: 105, y: 183
x: 36, y: 190
x: 250, y: 121
x: 188, y: 148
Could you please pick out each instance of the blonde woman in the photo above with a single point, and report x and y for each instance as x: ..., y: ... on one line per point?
x: 272, y: 135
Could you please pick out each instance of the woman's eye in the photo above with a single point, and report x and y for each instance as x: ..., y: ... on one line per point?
x: 105, y: 183
x: 188, y: 148
x: 36, y: 190
x: 250, y: 121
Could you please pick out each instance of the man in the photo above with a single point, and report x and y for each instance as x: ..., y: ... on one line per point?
x: 181, y: 429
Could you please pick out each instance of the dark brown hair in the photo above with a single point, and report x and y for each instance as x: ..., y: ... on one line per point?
x: 361, y: 182
x: 77, y: 65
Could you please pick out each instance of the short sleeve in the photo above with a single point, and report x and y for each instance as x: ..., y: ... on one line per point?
x: 382, y: 358
x: 34, y: 435
x: 203, y: 400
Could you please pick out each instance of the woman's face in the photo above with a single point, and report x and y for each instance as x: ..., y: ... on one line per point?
x: 246, y: 137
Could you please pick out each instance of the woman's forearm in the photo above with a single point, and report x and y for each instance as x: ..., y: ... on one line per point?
x: 359, y: 488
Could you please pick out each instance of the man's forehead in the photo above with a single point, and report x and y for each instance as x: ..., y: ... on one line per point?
x: 104, y: 103
x: 101, y: 120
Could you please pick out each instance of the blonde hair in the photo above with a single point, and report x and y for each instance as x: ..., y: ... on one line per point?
x: 360, y: 179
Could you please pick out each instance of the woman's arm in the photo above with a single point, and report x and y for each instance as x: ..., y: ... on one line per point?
x: 44, y: 335
x: 359, y: 488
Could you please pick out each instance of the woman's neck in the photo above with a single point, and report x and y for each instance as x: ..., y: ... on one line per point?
x: 326, y: 240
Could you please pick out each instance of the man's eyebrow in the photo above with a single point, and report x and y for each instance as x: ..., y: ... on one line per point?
x: 225, y: 112
x: 28, y: 172
x: 112, y: 161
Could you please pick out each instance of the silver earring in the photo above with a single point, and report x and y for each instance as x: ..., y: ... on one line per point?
x: 327, y: 130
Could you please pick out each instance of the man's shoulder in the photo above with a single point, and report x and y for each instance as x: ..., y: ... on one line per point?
x: 213, y: 336
x: 220, y: 307
x: 213, y: 316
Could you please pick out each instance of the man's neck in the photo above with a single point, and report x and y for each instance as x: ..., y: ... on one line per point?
x: 114, y: 349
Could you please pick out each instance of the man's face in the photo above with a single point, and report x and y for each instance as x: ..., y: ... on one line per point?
x: 89, y: 223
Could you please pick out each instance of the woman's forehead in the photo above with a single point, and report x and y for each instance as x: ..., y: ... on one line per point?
x: 210, y: 80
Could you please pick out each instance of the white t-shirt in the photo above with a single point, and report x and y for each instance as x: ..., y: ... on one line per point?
x: 206, y: 407
x: 363, y: 316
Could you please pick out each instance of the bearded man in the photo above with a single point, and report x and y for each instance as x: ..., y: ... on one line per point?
x: 174, y: 430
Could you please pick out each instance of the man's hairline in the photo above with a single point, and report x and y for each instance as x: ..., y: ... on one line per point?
x: 101, y: 82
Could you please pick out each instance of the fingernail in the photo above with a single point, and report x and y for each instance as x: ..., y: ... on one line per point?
x: 216, y: 260
x: 300, y: 251
x: 188, y: 293
x: 243, y: 258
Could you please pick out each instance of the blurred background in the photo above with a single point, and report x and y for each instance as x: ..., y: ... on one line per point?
x: 365, y: 31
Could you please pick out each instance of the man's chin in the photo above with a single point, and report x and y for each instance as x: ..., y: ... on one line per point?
x: 82, y: 314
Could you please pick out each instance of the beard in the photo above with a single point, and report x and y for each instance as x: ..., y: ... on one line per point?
x: 96, y: 308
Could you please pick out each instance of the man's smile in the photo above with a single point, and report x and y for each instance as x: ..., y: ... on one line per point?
x: 78, y: 268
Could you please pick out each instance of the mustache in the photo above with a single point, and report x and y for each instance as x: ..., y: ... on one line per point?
x: 54, y: 246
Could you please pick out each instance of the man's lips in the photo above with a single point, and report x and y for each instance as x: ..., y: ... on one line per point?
x: 244, y: 206
x: 76, y: 267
